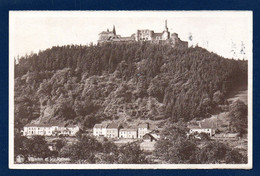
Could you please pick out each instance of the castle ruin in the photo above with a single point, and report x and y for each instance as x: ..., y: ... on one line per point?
x: 144, y: 35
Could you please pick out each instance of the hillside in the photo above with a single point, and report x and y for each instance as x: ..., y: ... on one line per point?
x: 126, y: 82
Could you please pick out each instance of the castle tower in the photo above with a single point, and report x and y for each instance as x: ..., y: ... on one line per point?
x: 166, y: 33
x: 114, y: 30
x: 166, y: 28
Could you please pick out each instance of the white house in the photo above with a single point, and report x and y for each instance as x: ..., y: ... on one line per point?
x: 104, y: 129
x: 97, y: 130
x: 143, y: 129
x: 128, y: 133
x: 37, y: 129
x: 203, y: 127
x: 49, y: 130
x: 73, y: 129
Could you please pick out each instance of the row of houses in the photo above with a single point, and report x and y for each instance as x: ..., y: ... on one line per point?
x: 49, y: 130
x: 115, y: 130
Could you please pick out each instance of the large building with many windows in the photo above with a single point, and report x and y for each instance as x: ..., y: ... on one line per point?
x: 49, y: 130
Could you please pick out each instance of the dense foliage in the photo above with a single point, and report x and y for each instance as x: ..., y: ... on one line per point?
x: 87, y: 84
x: 32, y: 147
x: 174, y: 147
x: 239, y: 115
x: 89, y: 150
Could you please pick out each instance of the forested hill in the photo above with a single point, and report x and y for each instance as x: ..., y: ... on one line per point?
x: 89, y: 84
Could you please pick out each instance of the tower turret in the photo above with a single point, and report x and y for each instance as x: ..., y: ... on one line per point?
x: 114, y: 30
x: 166, y: 28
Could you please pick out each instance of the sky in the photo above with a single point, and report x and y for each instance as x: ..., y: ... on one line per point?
x: 218, y: 31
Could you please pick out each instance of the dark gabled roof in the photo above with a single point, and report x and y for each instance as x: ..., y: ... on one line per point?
x: 98, y: 126
x: 105, y: 125
x: 203, y: 125
x: 113, y: 125
x: 129, y: 129
x: 149, y: 135
x: 37, y: 125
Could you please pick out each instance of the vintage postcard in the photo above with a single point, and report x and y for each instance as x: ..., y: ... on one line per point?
x: 130, y: 89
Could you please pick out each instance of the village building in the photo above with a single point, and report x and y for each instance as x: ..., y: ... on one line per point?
x: 128, y: 133
x: 73, y: 129
x: 104, y: 129
x: 97, y: 130
x: 148, y: 137
x: 100, y: 129
x: 203, y: 127
x: 49, y: 130
x: 37, y: 129
x: 143, y: 129
x: 113, y: 130
x: 227, y: 136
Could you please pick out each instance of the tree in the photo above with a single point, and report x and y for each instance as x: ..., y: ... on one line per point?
x: 218, y: 98
x: 131, y: 154
x: 84, y: 151
x: 238, y: 116
x: 216, y: 153
x: 59, y: 143
x: 37, y: 147
x: 174, y: 146
x: 110, y: 153
x: 20, y: 145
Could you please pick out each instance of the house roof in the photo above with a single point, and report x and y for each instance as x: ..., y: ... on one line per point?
x: 203, y: 125
x: 156, y: 136
x: 149, y: 135
x: 129, y: 129
x: 105, y: 125
x: 37, y: 125
x: 113, y: 125
x: 98, y: 126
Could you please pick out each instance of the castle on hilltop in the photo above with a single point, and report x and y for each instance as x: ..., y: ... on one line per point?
x: 144, y: 35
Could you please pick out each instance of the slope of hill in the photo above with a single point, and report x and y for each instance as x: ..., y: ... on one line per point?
x: 89, y: 84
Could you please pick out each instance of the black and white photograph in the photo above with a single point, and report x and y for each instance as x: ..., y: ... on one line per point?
x: 130, y: 89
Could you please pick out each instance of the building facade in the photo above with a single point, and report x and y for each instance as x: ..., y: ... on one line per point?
x: 128, y: 133
x: 203, y: 127
x: 49, y: 130
x: 113, y: 130
x: 143, y: 129
x: 97, y: 130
